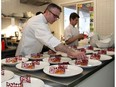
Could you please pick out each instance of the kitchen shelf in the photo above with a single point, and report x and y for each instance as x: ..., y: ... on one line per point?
x: 23, y: 18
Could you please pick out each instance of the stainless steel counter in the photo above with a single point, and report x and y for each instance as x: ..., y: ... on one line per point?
x: 59, y: 81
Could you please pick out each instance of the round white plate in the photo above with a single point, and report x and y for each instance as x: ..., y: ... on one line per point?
x: 70, y: 71
x: 37, y: 67
x: 44, y: 56
x: 103, y: 57
x: 110, y: 53
x: 34, y: 82
x: 91, y: 63
x: 23, y: 60
x: 7, y: 75
x: 63, y: 59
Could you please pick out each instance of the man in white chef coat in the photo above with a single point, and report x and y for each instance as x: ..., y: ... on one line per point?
x: 37, y: 33
x: 71, y: 33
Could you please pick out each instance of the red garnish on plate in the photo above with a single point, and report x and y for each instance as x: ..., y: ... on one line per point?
x: 95, y: 56
x: 83, y: 61
x: 102, y: 52
x: 25, y: 79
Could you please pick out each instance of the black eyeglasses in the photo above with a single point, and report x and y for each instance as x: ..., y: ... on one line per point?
x: 56, y: 16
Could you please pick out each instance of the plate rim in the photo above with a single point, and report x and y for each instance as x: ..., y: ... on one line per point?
x: 18, y: 67
x: 55, y: 75
x: 8, y: 75
x: 88, y: 66
x: 104, y: 59
x: 26, y: 59
x: 29, y: 56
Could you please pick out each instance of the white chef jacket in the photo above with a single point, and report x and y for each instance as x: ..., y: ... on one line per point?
x: 69, y: 32
x: 36, y: 33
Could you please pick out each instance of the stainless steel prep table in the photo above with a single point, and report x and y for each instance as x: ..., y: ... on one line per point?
x: 58, y: 81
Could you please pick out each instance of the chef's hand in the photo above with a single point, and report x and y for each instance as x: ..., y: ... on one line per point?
x: 77, y: 54
x: 80, y: 36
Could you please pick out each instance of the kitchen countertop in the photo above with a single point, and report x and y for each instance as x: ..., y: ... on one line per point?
x: 59, y: 81
x: 8, y: 52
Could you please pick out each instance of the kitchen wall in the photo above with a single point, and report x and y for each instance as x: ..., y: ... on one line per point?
x: 8, y: 7
x: 104, y: 14
x: 14, y: 6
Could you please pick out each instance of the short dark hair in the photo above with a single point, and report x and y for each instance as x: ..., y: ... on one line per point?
x: 39, y: 12
x: 74, y: 15
x: 52, y: 5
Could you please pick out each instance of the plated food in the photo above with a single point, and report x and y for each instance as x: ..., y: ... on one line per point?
x: 91, y: 63
x: 106, y: 52
x: 102, y: 57
x: 70, y: 70
x: 37, y: 56
x: 95, y: 56
x: 32, y: 65
x: 60, y: 69
x: 56, y: 59
x: 85, y: 50
x: 14, y: 60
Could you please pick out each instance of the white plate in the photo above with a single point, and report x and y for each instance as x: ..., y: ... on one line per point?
x: 37, y: 67
x: 110, y: 53
x: 23, y: 60
x: 44, y: 56
x: 103, y: 57
x: 63, y: 59
x: 89, y: 51
x: 95, y: 49
x: 70, y: 71
x: 34, y: 82
x: 62, y: 54
x: 91, y: 63
x: 7, y: 75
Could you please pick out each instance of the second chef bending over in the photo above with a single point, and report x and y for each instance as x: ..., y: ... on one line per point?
x: 37, y: 33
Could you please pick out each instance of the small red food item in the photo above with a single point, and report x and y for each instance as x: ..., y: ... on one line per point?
x: 82, y: 50
x: 25, y: 79
x: 14, y: 84
x: 38, y: 55
x: 28, y: 65
x: 11, y: 60
x: 58, y: 70
x: 102, y: 52
x: 83, y: 61
x: 110, y: 49
x: 54, y: 58
x: 85, y: 36
x: 90, y: 47
x: 95, y: 56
